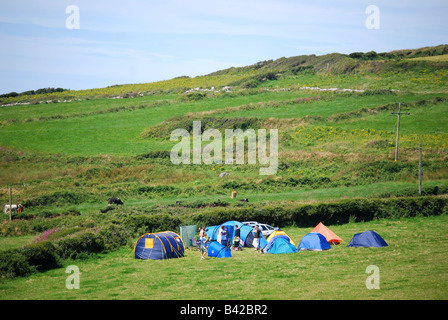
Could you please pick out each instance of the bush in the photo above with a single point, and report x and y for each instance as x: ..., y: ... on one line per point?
x: 162, y: 154
x: 84, y: 243
x: 39, y: 256
x: 193, y: 96
x: 14, y: 264
x: 42, y: 255
x: 140, y: 224
x: 78, y: 245
x: 255, y: 81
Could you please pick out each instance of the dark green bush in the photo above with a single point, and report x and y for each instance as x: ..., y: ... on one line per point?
x: 42, y: 255
x: 91, y: 241
x: 162, y: 154
x: 138, y: 224
x: 14, y: 264
x: 114, y: 236
x: 24, y: 261
x: 77, y: 245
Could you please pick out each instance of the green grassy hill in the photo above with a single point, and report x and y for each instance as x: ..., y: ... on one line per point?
x: 334, y: 122
x: 64, y: 153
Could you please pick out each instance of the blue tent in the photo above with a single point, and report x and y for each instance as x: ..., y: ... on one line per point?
x: 158, y: 246
x: 314, y: 241
x: 246, y: 233
x: 217, y: 250
x: 367, y: 239
x: 281, y: 245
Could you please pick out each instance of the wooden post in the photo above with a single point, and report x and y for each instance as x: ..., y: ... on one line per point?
x: 420, y: 173
x: 399, y: 113
x: 10, y: 203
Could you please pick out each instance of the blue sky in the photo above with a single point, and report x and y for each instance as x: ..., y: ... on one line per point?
x: 136, y: 41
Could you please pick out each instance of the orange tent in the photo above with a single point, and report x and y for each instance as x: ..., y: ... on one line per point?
x: 327, y: 233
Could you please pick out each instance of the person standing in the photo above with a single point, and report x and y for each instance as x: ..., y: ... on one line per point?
x: 224, y: 237
x: 220, y: 231
x: 237, y: 232
x: 236, y: 238
x: 257, y: 236
x: 203, y: 240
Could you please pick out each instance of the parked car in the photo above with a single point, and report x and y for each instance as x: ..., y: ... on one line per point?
x: 251, y: 223
x: 266, y: 229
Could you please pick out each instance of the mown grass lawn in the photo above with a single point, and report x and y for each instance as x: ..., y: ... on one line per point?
x: 413, y: 266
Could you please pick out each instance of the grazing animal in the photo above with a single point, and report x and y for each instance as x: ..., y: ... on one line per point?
x: 116, y: 201
x: 15, y: 208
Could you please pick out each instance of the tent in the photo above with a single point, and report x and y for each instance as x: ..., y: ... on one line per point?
x: 217, y: 250
x: 278, y: 234
x: 331, y: 237
x: 246, y: 234
x: 159, y: 246
x: 314, y: 241
x: 367, y: 239
x: 282, y: 245
x: 212, y: 232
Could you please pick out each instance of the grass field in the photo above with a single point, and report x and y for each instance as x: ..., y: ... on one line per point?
x: 64, y: 154
x: 411, y: 267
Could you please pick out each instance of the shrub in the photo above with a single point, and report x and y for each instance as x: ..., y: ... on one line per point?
x: 84, y: 243
x: 44, y: 236
x: 24, y: 261
x: 78, y: 245
x: 42, y: 255
x: 162, y: 154
x: 193, y: 96
x: 14, y: 264
x: 114, y: 236
x: 139, y: 224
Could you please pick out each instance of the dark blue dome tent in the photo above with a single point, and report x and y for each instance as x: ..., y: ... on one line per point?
x: 159, y: 246
x: 367, y: 239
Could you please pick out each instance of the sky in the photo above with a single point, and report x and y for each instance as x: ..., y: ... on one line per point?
x: 78, y: 44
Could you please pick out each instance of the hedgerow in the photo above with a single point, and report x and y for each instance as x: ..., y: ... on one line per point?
x: 340, y: 212
x: 73, y: 244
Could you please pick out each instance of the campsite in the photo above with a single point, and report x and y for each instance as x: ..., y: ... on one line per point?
x: 411, y: 267
x: 92, y: 172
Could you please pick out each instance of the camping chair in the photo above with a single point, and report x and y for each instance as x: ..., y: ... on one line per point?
x: 195, y: 243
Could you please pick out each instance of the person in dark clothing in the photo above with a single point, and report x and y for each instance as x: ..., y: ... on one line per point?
x: 257, y: 237
x: 236, y: 239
